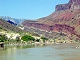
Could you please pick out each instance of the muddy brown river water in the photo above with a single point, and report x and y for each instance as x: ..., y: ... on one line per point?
x: 41, y: 52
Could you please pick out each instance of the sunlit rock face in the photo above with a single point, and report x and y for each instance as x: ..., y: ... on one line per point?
x: 76, y: 1
x: 73, y: 4
x: 66, y: 18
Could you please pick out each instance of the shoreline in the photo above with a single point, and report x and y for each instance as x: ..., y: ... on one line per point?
x: 36, y: 43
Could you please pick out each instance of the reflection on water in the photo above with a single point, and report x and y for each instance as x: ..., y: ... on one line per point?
x: 42, y: 52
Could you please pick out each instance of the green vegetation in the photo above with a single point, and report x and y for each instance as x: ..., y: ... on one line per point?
x: 27, y: 38
x: 3, y: 38
x: 44, y: 39
x: 37, y: 40
x: 17, y: 39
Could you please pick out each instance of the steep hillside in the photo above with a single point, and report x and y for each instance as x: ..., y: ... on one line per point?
x: 65, y: 19
x: 9, y: 27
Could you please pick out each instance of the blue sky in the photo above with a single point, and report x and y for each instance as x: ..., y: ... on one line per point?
x: 28, y: 9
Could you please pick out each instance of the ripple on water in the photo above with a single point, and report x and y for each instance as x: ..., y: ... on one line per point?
x: 53, y: 52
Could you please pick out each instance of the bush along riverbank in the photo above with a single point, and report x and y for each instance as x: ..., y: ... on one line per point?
x: 26, y: 39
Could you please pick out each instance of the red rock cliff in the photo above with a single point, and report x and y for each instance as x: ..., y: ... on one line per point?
x: 65, y: 19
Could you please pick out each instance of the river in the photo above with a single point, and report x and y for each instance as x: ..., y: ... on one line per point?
x: 41, y: 52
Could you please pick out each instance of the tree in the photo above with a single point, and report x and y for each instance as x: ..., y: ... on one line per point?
x: 3, y: 38
x: 27, y: 38
x: 37, y: 40
x: 18, y: 39
x: 44, y: 39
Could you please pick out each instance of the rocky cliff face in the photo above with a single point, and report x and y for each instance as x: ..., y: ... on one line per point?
x: 76, y: 1
x: 65, y: 19
x: 73, y: 4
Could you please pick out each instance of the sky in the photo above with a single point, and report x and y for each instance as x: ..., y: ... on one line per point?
x: 28, y: 9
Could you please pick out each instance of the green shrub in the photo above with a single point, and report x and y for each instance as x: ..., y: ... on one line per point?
x: 44, y: 39
x: 27, y: 38
x: 3, y: 38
